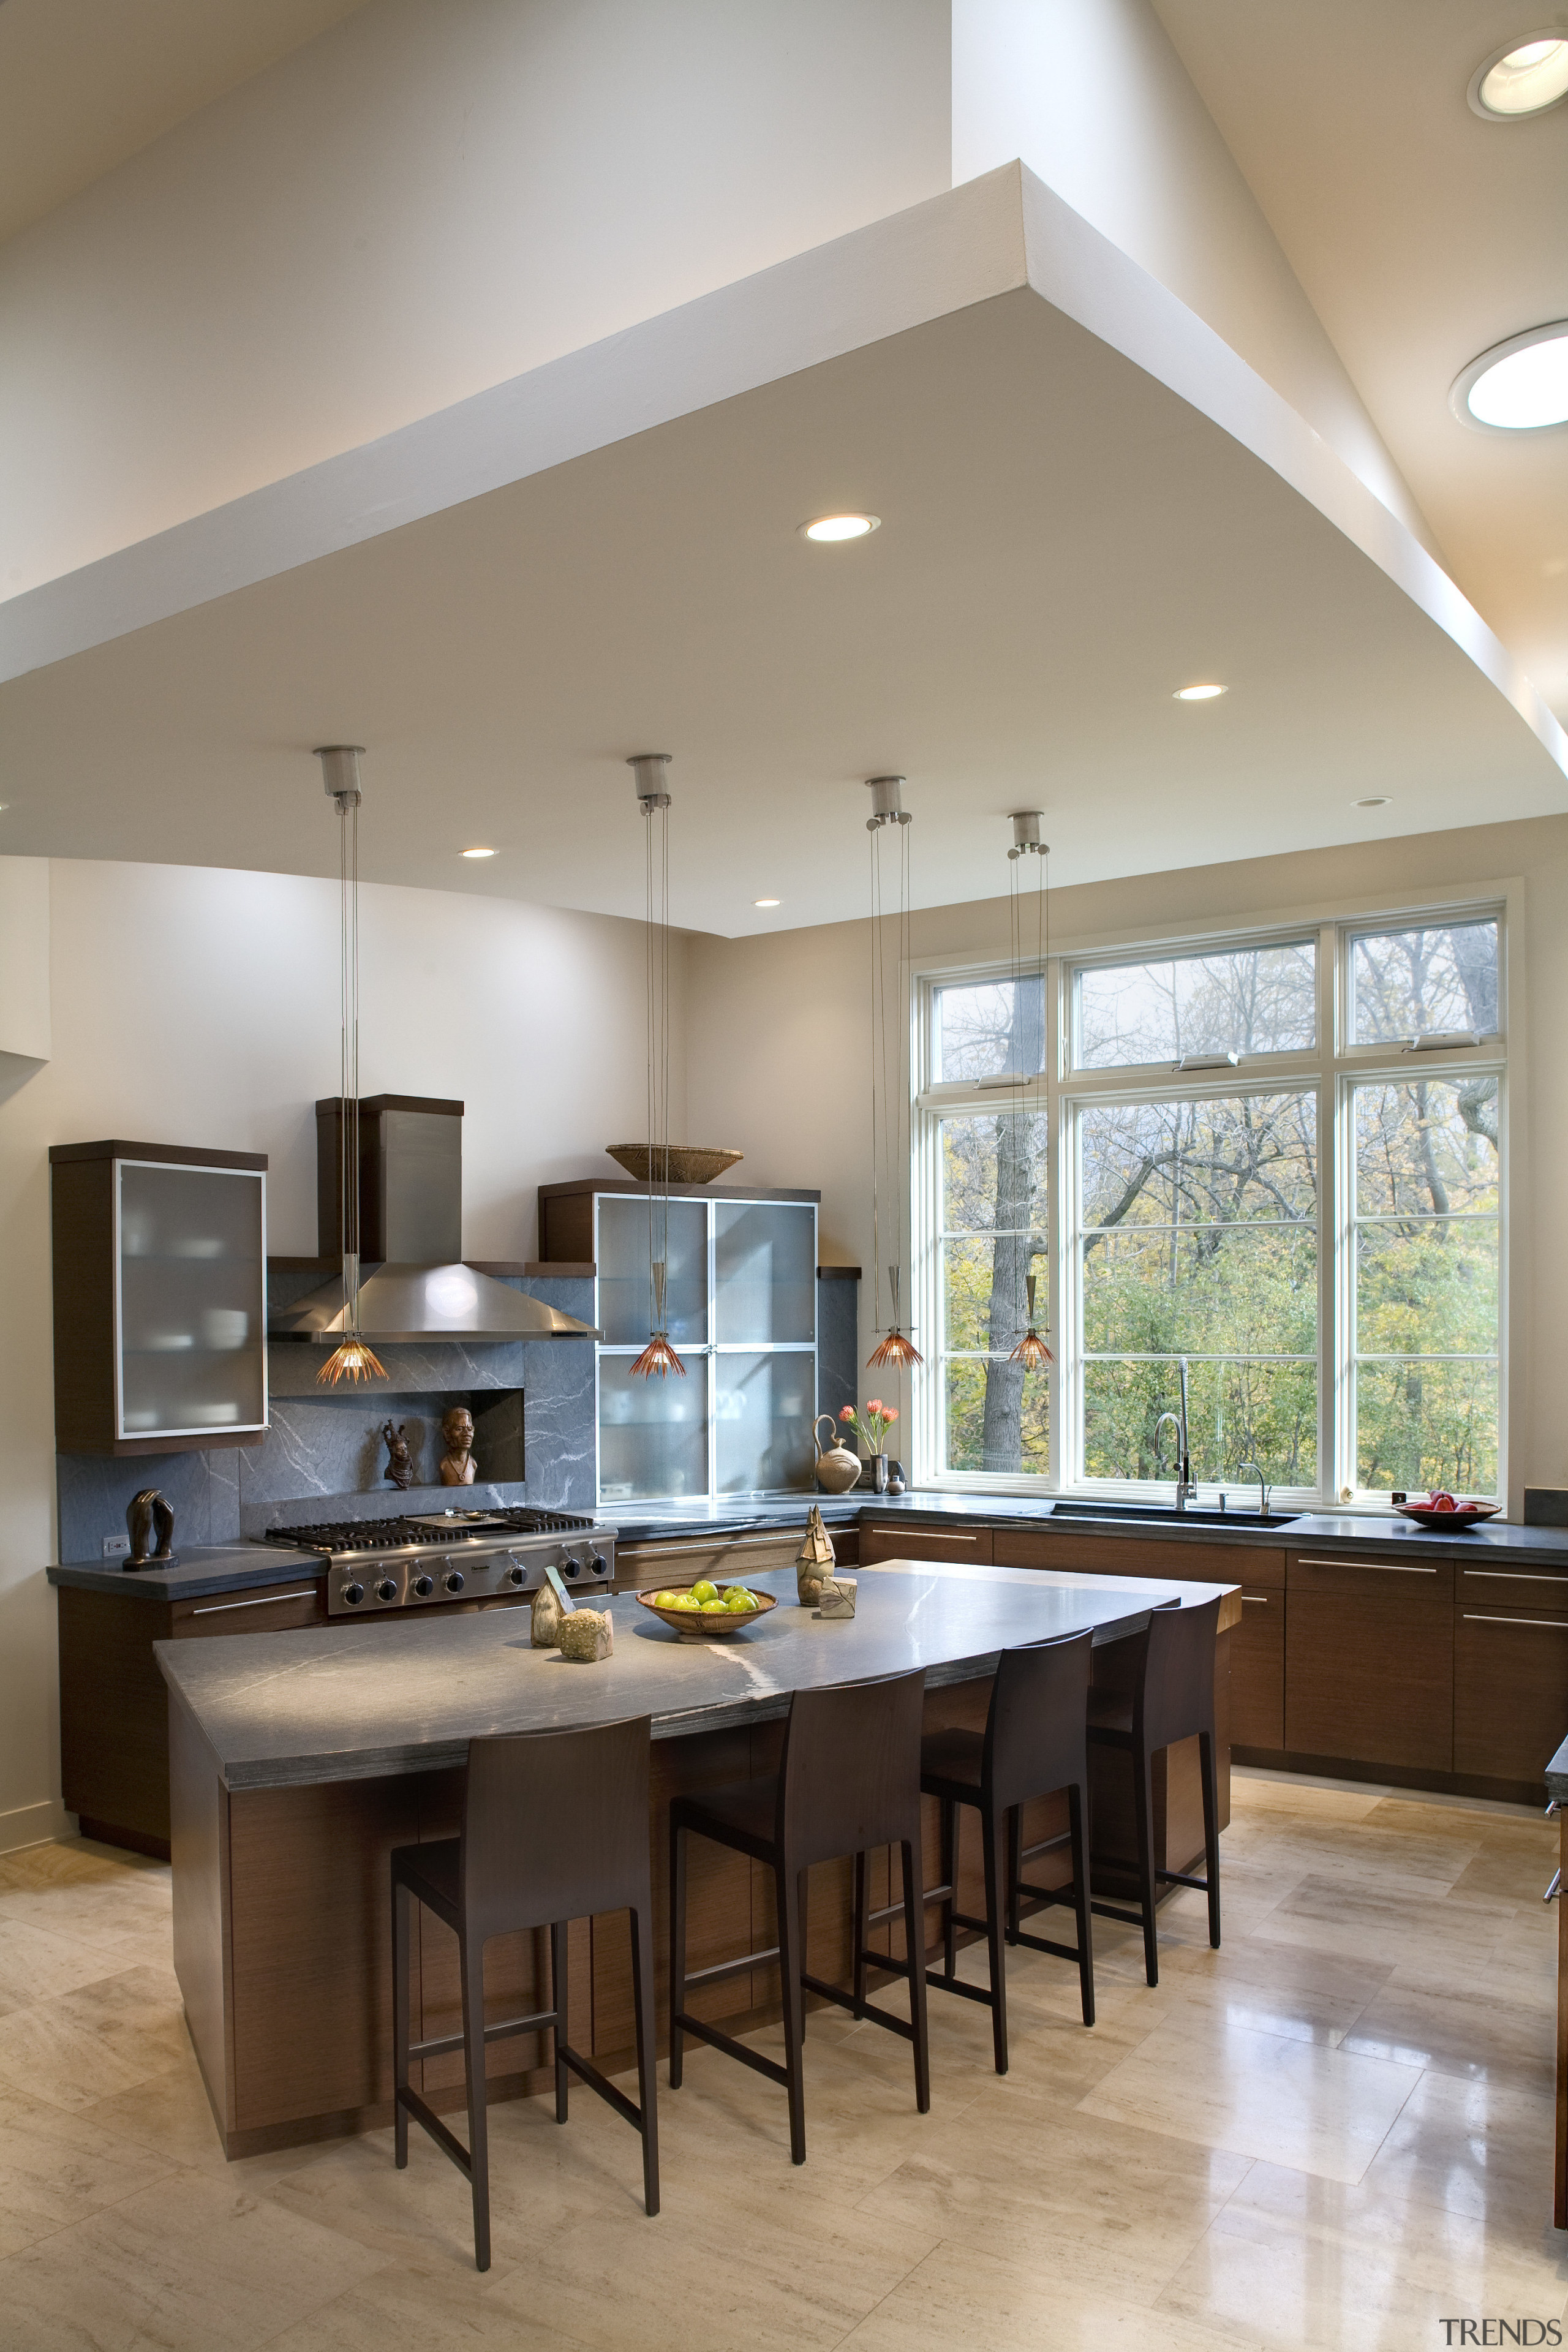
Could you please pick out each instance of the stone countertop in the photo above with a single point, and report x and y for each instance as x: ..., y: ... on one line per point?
x: 358, y: 1702
x: 232, y: 1568
x: 1557, y: 1777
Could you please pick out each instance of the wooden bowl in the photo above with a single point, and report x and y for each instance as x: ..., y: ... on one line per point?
x: 1463, y: 1515
x: 712, y: 1624
x: 690, y: 1163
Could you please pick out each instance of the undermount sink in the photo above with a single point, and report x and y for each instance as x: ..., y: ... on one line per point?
x: 1167, y: 1515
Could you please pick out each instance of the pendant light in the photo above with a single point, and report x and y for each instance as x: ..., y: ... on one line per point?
x: 648, y: 772
x: 1028, y: 825
x: 353, y: 1359
x: 890, y: 1089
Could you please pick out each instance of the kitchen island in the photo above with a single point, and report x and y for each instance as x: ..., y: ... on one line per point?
x: 299, y: 1761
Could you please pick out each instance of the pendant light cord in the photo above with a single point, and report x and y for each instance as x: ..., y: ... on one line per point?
x: 658, y: 1054
x: 348, y: 1125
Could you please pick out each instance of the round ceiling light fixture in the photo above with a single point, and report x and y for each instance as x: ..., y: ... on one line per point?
x: 764, y: 902
x: 479, y: 853
x: 827, y: 528
x: 1198, y: 693
x: 1522, y: 78
x: 1518, y: 386
x: 1375, y: 799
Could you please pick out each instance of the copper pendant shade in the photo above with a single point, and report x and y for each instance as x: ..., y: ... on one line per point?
x: 1031, y: 1350
x: 354, y: 1359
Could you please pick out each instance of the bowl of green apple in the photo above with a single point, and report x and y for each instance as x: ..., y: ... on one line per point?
x: 706, y: 1611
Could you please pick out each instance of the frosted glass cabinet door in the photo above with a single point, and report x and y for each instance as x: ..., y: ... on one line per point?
x: 624, y: 1286
x: 764, y: 1272
x: 193, y: 1302
x: 653, y: 1433
x: 763, y: 1407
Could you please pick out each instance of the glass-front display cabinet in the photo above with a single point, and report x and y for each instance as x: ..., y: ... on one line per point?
x: 160, y: 1284
x: 741, y: 1312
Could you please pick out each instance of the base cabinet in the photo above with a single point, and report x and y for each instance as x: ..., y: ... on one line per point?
x: 1510, y: 1691
x: 1369, y: 1667
x: 1257, y: 1671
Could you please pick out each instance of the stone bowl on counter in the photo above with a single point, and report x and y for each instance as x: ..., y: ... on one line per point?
x: 710, y: 1624
x: 690, y: 1163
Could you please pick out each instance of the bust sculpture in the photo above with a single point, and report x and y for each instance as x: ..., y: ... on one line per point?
x: 399, y: 1461
x: 457, y: 1437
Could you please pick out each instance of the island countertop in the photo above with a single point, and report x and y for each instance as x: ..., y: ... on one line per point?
x: 360, y: 1702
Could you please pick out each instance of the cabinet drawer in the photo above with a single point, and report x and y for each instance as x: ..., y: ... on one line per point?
x: 1257, y: 1671
x: 277, y: 1609
x: 898, y: 1539
x: 1510, y: 1691
x: 1258, y: 1565
x: 1414, y: 1581
x: 1539, y: 1590
x: 1369, y: 1676
x: 647, y: 1567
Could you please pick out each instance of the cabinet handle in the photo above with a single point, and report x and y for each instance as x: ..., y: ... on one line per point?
x: 1384, y: 1567
x: 744, y: 1543
x: 1255, y: 1600
x: 1515, y: 1575
x: 267, y: 1600
x: 1551, y: 1624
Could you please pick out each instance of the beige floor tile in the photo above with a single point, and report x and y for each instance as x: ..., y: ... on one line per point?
x: 61, y: 1861
x: 1448, y: 2027
x: 169, y: 2116
x: 189, y: 2265
x: 101, y: 2038
x: 1295, y: 1978
x: 1259, y: 2095
x: 95, y: 1911
x: 423, y: 2311
x: 1251, y: 1793
x: 966, y: 2301
x: 35, y: 1965
x: 1478, y: 2146
x: 57, y: 2168
x: 1301, y: 2262
x: 1364, y: 1921
x: 1119, y: 2207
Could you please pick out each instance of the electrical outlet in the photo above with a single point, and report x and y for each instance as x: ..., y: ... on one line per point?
x: 116, y: 1547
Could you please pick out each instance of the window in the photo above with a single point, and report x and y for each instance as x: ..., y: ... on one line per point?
x: 1272, y: 1164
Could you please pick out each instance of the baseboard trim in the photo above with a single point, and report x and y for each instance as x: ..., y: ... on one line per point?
x: 34, y: 1826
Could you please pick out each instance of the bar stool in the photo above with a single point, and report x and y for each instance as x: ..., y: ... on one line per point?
x: 1034, y: 1743
x: 555, y: 1828
x: 849, y: 1781
x: 1171, y: 1698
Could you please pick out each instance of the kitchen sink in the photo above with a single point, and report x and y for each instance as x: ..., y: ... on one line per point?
x: 1167, y: 1515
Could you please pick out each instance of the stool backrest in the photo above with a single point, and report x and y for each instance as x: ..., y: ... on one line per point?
x: 851, y: 1775
x: 1035, y: 1739
x: 1176, y: 1696
x: 555, y: 1824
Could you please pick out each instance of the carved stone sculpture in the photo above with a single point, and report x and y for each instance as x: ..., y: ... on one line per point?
x: 587, y: 1635
x: 813, y: 1561
x: 399, y: 1461
x: 838, y: 1597
x: 546, y: 1619
x: 457, y: 1437
x: 146, y: 1514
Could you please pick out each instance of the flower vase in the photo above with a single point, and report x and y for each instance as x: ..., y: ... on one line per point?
x: 876, y: 1474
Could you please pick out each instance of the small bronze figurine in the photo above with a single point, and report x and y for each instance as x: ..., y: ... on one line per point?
x: 145, y: 1512
x: 457, y: 1436
x: 814, y: 1562
x: 399, y: 1461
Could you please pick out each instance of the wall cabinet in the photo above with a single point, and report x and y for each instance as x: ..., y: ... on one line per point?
x: 160, y: 1294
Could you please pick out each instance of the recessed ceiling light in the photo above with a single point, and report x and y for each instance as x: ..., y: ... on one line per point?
x: 764, y: 902
x: 840, y: 526
x: 1198, y: 693
x: 1518, y: 385
x: 479, y: 853
x: 1525, y: 77
x: 1375, y: 800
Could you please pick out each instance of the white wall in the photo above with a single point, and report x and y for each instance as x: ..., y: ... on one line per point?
x: 434, y: 196
x: 193, y: 1006
x: 778, y: 1052
x: 1093, y: 97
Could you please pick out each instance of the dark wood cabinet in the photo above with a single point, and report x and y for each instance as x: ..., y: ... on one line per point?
x: 904, y: 1539
x: 1511, y: 1692
x: 1368, y: 1666
x: 1257, y: 1671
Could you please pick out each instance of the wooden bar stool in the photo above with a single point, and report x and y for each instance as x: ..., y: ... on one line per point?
x: 555, y: 1828
x: 848, y: 1779
x: 1034, y: 1743
x: 1171, y: 1698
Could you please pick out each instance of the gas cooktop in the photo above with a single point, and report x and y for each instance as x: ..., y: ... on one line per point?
x: 431, y: 1557
x: 428, y: 1527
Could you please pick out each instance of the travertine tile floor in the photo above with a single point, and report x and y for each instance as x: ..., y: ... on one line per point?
x: 1335, y: 2132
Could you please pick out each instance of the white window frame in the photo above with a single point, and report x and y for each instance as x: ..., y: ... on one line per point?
x: 1332, y: 1069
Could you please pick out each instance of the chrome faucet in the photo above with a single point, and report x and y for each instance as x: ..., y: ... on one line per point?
x: 1262, y: 1487
x: 1186, y: 1484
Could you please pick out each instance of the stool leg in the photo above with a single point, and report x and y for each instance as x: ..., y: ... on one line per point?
x: 1077, y: 1811
x: 949, y: 1880
x: 558, y: 2003
x: 991, y: 1827
x: 1143, y: 1810
x: 1211, y: 1831
x: 787, y: 1896
x: 805, y: 1937
x: 647, y: 2083
x: 914, y: 1947
x: 471, y: 1966
x: 400, y: 1920
x: 676, y: 1953
x: 862, y: 1908
x: 1014, y: 1868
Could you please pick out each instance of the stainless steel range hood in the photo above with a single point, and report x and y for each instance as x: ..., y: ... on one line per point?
x: 412, y: 1284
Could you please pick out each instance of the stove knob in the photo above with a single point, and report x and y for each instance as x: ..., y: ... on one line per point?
x: 517, y: 1575
x: 453, y: 1580
x: 354, y: 1594
x: 387, y: 1588
x: 423, y: 1587
x: 599, y: 1564
x: 572, y: 1565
